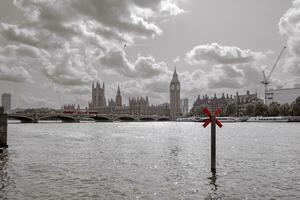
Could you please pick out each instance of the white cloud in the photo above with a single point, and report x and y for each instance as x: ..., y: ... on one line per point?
x: 69, y: 67
x: 215, y: 54
x: 14, y: 74
x: 156, y: 90
x: 176, y: 60
x: 68, y: 37
x: 143, y: 67
x: 116, y: 60
x: 30, y: 101
x: 289, y: 26
x: 226, y: 66
x: 17, y: 34
x: 147, y: 67
x: 21, y: 50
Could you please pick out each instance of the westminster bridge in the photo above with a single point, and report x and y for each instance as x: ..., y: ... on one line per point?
x: 63, y: 117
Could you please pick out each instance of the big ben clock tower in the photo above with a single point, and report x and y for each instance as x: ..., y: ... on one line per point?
x: 174, y: 96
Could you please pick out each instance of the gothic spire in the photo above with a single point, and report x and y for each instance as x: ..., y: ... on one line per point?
x: 119, y: 92
x: 175, y: 76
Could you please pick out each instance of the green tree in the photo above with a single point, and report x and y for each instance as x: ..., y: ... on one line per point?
x: 230, y: 109
x: 284, y: 109
x: 250, y: 109
x: 274, y: 109
x: 295, y: 107
x: 261, y: 109
x: 198, y: 110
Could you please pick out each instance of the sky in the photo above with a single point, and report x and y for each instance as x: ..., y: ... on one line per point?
x: 52, y: 50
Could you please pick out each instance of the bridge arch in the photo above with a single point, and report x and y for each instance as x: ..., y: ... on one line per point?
x: 63, y: 118
x: 163, y: 119
x: 147, y: 119
x: 49, y: 117
x: 101, y: 119
x: 23, y: 119
x: 126, y: 118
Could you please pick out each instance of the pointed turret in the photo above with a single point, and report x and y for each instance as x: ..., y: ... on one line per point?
x: 118, y: 93
x: 119, y: 97
x: 174, y: 96
x: 175, y: 76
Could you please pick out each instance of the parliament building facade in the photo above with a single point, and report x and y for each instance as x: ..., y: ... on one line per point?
x: 136, y: 105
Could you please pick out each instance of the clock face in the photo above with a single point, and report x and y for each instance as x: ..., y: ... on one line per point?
x: 178, y: 87
x: 172, y: 87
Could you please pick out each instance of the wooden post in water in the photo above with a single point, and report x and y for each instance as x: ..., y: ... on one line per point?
x: 3, y: 129
x: 213, y: 143
x: 212, y: 119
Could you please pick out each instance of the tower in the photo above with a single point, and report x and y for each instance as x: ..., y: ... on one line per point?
x: 174, y: 96
x: 119, y: 97
x: 98, y: 96
x: 6, y: 101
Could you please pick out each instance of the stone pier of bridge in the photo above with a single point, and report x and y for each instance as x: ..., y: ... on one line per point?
x: 3, y: 128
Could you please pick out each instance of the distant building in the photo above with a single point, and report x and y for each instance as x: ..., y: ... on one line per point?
x: 246, y: 98
x: 213, y: 102
x: 119, y: 97
x: 283, y: 95
x: 175, y: 96
x: 69, y: 107
x: 136, y: 106
x: 6, y: 101
x: 184, y: 106
x: 98, y: 96
x: 241, y: 101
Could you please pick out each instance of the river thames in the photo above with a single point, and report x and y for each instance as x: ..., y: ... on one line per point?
x: 150, y: 160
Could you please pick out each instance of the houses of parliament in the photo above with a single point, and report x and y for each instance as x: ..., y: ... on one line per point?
x: 136, y: 105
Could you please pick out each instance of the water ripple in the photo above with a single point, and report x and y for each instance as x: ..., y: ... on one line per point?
x: 159, y: 160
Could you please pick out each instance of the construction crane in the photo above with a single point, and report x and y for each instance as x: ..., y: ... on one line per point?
x: 266, y: 79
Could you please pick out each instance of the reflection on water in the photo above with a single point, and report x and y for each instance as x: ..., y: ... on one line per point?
x: 213, y: 187
x: 6, y: 182
x: 159, y: 160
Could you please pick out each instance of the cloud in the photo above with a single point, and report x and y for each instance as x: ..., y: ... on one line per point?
x: 67, y: 38
x: 31, y: 101
x: 147, y: 67
x: 156, y: 90
x: 226, y: 66
x: 226, y: 76
x: 69, y: 67
x: 17, y: 34
x: 15, y: 60
x: 21, y: 50
x: 116, y: 60
x: 14, y: 74
x: 158, y: 86
x: 79, y: 90
x: 215, y: 54
x: 176, y: 60
x: 289, y: 26
x: 143, y: 67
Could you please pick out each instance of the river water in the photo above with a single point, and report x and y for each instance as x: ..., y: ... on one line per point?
x: 150, y: 160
